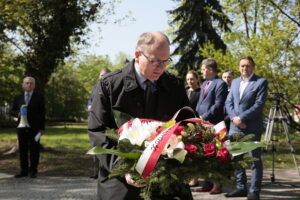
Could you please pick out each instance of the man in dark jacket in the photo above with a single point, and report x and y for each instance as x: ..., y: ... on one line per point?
x: 28, y: 137
x: 210, y: 106
x: 127, y: 90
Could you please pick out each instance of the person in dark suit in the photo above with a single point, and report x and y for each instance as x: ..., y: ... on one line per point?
x: 193, y: 89
x: 244, y: 106
x: 27, y: 136
x: 141, y: 89
x: 210, y: 106
x: 227, y: 76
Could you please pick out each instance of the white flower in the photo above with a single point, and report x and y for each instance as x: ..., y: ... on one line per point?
x: 138, y: 132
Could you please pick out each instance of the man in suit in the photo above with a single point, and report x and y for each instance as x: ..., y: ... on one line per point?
x: 244, y: 106
x: 141, y: 89
x: 28, y: 142
x: 227, y: 76
x: 210, y: 106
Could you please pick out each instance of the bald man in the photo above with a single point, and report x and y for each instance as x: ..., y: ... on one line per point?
x: 127, y: 90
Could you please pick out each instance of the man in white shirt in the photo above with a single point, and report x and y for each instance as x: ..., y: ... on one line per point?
x: 244, y: 106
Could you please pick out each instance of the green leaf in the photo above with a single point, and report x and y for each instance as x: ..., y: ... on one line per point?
x: 180, y: 155
x: 121, y: 117
x: 238, y: 148
x: 100, y: 150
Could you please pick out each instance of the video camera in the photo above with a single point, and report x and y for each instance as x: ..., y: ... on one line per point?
x: 277, y: 96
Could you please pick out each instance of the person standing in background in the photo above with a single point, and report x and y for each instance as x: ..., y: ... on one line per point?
x: 193, y: 89
x: 210, y: 107
x: 244, y: 106
x: 193, y: 93
x: 90, y: 101
x: 28, y: 137
x: 227, y: 76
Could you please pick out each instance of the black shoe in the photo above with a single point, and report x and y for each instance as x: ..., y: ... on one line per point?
x: 32, y: 175
x: 253, y: 196
x: 237, y: 193
x: 21, y: 175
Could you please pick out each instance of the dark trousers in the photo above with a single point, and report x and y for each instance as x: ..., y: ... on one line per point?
x: 27, y: 144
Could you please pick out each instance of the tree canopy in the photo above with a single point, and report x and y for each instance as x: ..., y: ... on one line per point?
x: 193, y: 24
x: 42, y: 31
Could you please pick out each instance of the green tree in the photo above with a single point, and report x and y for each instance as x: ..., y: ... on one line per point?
x: 88, y: 69
x: 71, y: 85
x: 193, y: 24
x: 10, y: 71
x: 43, y: 31
x: 66, y: 96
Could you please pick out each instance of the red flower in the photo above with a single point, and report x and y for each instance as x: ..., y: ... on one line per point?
x: 209, y: 149
x: 198, y: 137
x: 178, y: 130
x: 223, y: 155
x: 191, y: 149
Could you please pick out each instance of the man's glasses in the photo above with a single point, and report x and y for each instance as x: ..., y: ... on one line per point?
x: 157, y: 62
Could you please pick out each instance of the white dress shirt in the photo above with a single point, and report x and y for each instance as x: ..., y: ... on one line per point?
x: 244, y: 83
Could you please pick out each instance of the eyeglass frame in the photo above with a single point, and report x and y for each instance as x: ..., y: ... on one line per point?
x: 157, y: 62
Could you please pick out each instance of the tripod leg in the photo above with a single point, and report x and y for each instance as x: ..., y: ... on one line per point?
x: 286, y: 131
x: 270, y: 125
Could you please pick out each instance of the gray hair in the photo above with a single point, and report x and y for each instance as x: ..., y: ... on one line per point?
x: 30, y: 78
x: 148, y: 38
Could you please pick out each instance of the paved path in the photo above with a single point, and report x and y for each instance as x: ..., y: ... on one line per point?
x: 286, y: 186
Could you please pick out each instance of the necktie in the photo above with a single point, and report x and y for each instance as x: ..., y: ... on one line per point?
x: 149, y: 98
x: 205, y: 88
x: 27, y: 97
x: 149, y: 89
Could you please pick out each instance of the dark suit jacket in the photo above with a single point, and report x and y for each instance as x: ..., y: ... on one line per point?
x: 35, y: 110
x: 194, y: 98
x: 211, y: 105
x: 250, y: 107
x: 120, y: 91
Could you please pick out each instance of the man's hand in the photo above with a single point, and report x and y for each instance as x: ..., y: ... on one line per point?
x: 89, y: 108
x: 132, y: 182
x: 237, y: 121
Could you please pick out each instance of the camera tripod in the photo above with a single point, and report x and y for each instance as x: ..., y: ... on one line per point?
x: 275, y: 117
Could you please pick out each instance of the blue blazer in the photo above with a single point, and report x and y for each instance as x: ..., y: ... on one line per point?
x: 211, y: 105
x: 249, y: 107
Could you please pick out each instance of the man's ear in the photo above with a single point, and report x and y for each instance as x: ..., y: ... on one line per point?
x: 137, y: 55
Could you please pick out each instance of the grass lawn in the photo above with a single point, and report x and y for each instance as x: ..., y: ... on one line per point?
x: 63, y: 152
x: 65, y: 148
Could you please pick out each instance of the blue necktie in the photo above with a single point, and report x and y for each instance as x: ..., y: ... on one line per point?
x: 27, y: 97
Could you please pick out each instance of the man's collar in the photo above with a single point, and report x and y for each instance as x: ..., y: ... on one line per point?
x: 28, y: 93
x: 140, y: 78
x: 212, y: 78
x: 247, y: 79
